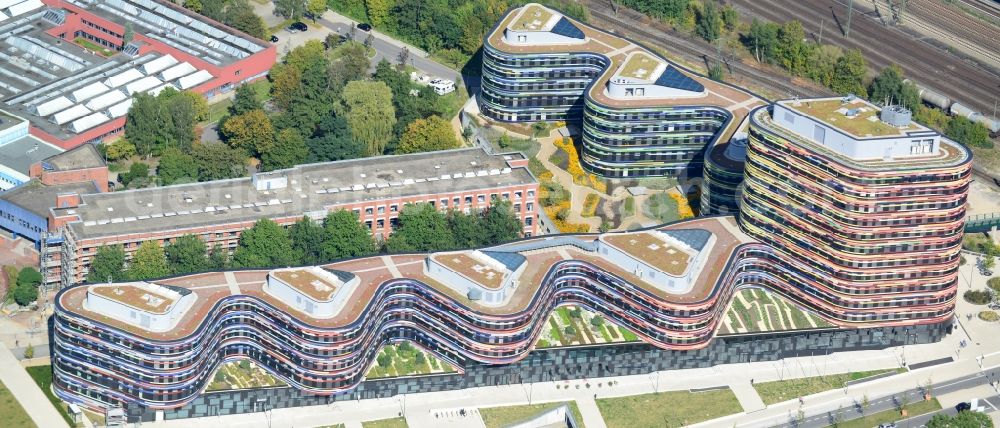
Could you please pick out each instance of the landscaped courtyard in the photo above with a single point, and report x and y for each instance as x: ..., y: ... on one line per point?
x: 405, y: 359
x: 243, y: 374
x: 757, y: 310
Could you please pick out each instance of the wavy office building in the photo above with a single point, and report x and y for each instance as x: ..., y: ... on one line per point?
x: 640, y: 114
x: 866, y: 207
x: 319, y: 329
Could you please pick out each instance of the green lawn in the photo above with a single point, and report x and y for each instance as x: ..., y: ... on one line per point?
x: 783, y: 390
x: 43, y: 377
x: 219, y: 109
x: 662, y: 207
x: 386, y: 423
x: 11, y: 412
x: 499, y: 417
x: 668, y: 409
x: 892, y: 415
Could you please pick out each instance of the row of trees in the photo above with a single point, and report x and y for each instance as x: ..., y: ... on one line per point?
x: 155, y: 123
x: 339, y: 235
x: 452, y: 29
x: 234, y: 13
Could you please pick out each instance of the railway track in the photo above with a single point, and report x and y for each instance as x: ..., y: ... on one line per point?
x: 656, y: 35
x: 947, y: 22
x: 882, y: 46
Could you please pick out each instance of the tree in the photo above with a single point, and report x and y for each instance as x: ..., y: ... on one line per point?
x: 119, y: 149
x: 730, y: 18
x: 865, y: 404
x: 218, y: 259
x: 793, y: 51
x: 265, y: 244
x: 193, y: 5
x: 346, y: 236
x: 148, y: 262
x: 244, y: 101
x: 370, y: 114
x: 289, y: 150
x: 145, y: 125
x: 378, y: 11
x: 762, y: 40
x: 239, y: 15
x: 29, y: 352
x: 500, y: 223
x: 176, y: 167
x: 29, y: 277
x: 216, y: 161
x: 24, y: 296
x: 889, y: 88
x: 467, y: 229
x: 307, y: 241
x: 290, y: 9
x: 138, y: 172
x: 353, y: 63
x: 989, y: 263
x: 129, y: 34
x: 187, y: 254
x: 108, y: 264
x: 570, y: 331
x: 716, y: 72
x: 421, y: 228
x: 251, y: 131
x: 335, y: 143
x: 384, y: 360
x: 316, y: 8
x: 709, y: 22
x: 849, y: 74
x: 968, y: 132
x: 961, y: 420
x: 427, y: 135
x: 597, y: 321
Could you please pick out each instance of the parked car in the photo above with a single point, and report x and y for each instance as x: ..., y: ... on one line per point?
x: 297, y: 26
x: 963, y: 406
x: 274, y: 39
x: 887, y: 425
x: 364, y: 26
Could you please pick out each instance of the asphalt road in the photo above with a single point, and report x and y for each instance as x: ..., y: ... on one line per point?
x: 389, y: 50
x: 913, y: 395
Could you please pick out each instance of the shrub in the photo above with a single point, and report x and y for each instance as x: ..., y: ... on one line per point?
x: 977, y: 297
x: 994, y: 284
x: 989, y: 316
x: 590, y: 205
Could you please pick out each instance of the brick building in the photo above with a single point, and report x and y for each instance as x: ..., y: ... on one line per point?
x: 374, y: 188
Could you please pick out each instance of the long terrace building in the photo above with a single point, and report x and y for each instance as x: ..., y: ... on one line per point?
x: 641, y: 115
x: 67, y: 67
x: 864, y: 208
x: 218, y: 211
x: 155, y: 346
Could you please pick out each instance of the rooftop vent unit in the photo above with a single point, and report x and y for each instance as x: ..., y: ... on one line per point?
x: 896, y: 115
x: 852, y: 112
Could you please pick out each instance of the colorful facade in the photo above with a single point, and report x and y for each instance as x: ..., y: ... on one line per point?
x: 864, y: 208
x: 640, y: 115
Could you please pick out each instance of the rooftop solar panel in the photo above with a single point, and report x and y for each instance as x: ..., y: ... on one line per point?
x: 673, y: 78
x: 566, y: 28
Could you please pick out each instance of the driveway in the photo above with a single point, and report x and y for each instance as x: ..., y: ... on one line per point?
x: 388, y: 48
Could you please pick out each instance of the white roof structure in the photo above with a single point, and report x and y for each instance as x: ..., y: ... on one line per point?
x: 123, y: 78
x: 24, y: 7
x: 182, y: 69
x: 52, y: 106
x: 88, y: 122
x: 192, y: 80
x: 158, y: 65
x: 89, y: 91
x: 156, y: 91
x: 69, y: 114
x: 8, y: 3
x: 142, y: 85
x: 120, y: 109
x: 103, y: 101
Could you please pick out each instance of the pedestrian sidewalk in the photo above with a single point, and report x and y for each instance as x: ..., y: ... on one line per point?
x: 591, y: 413
x: 747, y: 395
x: 26, y: 391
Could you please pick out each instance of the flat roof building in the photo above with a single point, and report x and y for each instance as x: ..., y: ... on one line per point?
x: 641, y: 114
x: 69, y: 71
x: 374, y: 188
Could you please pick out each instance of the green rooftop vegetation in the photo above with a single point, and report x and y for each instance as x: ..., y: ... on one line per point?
x: 758, y: 310
x: 533, y: 18
x: 639, y: 65
x: 242, y: 374
x: 668, y: 409
x: 405, y: 359
x: 864, y: 124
